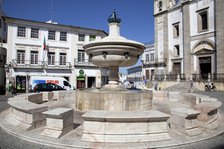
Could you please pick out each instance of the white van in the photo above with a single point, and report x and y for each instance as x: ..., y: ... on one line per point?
x: 34, y: 80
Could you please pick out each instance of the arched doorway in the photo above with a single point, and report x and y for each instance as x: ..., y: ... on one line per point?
x: 205, y: 58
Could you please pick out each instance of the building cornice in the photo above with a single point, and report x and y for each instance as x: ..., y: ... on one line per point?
x: 50, y: 25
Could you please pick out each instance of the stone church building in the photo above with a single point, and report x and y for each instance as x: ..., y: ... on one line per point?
x: 189, y: 36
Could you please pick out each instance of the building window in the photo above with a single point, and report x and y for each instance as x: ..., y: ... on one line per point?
x: 152, y: 57
x: 92, y: 37
x: 51, y: 58
x: 160, y: 5
x: 34, y: 33
x: 62, y: 58
x: 176, y: 30
x: 81, y: 56
x: 51, y: 35
x: 34, y: 57
x: 63, y: 36
x: 147, y: 58
x: 21, y: 32
x: 81, y: 37
x: 20, y: 57
x: 203, y: 21
x: 177, y: 50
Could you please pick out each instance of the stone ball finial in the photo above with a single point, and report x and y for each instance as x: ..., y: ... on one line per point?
x: 113, y: 18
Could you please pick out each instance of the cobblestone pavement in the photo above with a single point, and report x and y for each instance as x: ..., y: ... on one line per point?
x: 8, y: 141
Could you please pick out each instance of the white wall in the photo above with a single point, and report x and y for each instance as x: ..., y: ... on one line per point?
x: 70, y: 47
x: 197, y: 6
x: 174, y: 17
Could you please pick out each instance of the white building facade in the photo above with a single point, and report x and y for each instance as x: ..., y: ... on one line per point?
x: 188, y: 35
x: 148, y: 61
x: 49, y: 49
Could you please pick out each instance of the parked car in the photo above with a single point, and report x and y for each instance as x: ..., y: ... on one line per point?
x: 47, y: 87
x: 34, y: 80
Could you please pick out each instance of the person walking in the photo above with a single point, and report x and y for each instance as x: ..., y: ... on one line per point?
x: 156, y: 85
x: 191, y: 85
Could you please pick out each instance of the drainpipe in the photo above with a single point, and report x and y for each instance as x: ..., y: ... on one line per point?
x: 183, y: 41
x: 215, y: 38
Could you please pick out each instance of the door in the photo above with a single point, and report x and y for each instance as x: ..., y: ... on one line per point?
x: 152, y: 73
x: 147, y: 74
x: 80, y: 82
x: 205, y: 67
x: 177, y: 68
x: 20, y: 84
x: 91, y: 82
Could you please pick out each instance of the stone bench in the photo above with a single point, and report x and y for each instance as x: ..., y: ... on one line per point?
x: 48, y: 96
x: 26, y: 114
x: 160, y: 95
x: 175, y: 96
x: 35, y: 98
x: 189, y: 99
x: 209, y: 113
x: 184, y: 120
x: 59, y: 122
x: 125, y: 126
x: 61, y: 95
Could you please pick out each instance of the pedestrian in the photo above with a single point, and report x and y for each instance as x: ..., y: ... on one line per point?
x: 156, y: 85
x: 191, y: 85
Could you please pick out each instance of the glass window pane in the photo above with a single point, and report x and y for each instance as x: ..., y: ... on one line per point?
x: 63, y: 36
x: 51, y: 35
x: 21, y: 32
x: 34, y: 33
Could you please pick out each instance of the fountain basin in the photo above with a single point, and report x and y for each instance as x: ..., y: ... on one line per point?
x: 122, y: 52
x: 130, y: 100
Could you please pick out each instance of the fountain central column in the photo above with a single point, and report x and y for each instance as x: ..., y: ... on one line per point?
x: 113, y: 75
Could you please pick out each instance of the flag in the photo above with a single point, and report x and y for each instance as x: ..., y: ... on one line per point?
x: 44, y: 49
x: 44, y: 45
x: 47, y: 50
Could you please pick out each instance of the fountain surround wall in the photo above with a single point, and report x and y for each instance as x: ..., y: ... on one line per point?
x: 113, y: 101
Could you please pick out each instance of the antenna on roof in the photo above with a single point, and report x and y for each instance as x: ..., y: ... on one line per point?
x: 51, y: 14
x: 51, y: 10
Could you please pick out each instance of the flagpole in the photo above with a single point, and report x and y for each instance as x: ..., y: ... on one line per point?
x: 44, y: 50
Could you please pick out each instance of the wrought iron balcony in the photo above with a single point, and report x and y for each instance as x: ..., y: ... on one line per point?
x: 40, y: 64
x: 83, y: 62
x: 158, y: 62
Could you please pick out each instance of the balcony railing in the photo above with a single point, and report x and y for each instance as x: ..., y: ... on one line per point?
x: 215, y: 77
x: 83, y: 62
x: 158, y: 62
x: 40, y: 64
x: 168, y: 77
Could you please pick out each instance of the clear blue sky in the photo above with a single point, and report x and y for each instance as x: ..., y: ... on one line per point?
x: 137, y: 15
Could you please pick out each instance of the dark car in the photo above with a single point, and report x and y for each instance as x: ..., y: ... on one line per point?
x: 47, y: 87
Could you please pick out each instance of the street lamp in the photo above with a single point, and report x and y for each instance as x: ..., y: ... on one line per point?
x: 8, y: 72
x: 27, y: 82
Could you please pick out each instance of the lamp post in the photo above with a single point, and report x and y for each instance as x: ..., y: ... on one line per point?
x: 27, y: 82
x: 8, y: 76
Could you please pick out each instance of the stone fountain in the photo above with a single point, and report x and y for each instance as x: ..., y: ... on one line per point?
x: 114, y: 51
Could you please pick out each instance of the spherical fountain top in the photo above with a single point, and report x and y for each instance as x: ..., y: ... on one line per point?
x: 113, y: 18
x: 114, y: 51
